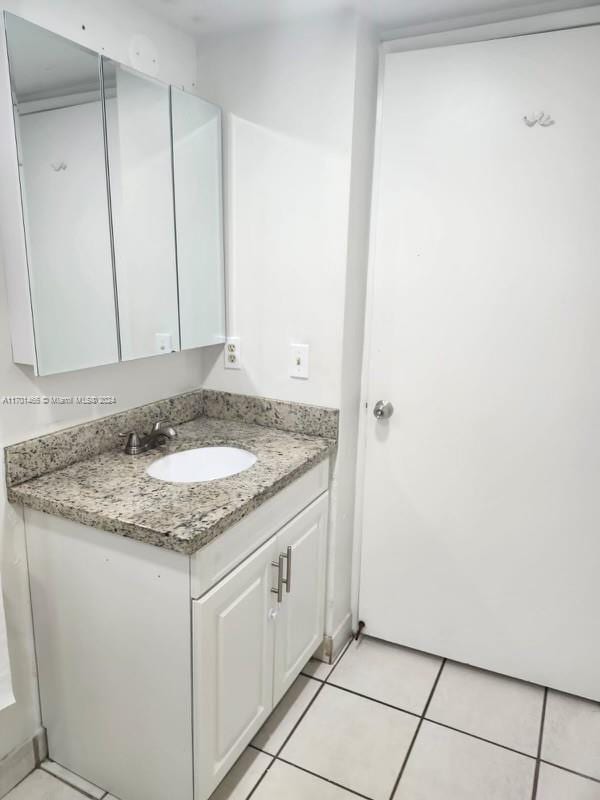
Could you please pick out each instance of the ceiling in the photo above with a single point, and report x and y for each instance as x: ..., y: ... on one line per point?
x: 200, y: 17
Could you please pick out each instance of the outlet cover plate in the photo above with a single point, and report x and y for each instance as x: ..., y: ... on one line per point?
x: 232, y: 353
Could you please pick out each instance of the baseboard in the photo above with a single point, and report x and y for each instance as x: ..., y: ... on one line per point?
x: 22, y: 760
x: 332, y: 646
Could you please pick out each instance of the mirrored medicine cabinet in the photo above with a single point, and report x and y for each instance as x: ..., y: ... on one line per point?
x: 118, y: 253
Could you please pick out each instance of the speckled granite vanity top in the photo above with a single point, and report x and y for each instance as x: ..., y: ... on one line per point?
x: 111, y: 490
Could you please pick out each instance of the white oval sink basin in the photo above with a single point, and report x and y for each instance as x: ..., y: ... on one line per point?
x: 201, y: 464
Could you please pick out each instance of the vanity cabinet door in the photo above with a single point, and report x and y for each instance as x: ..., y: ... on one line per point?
x: 234, y: 632
x: 300, y: 621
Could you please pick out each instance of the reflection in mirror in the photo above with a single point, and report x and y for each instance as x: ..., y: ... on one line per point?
x: 141, y: 190
x: 199, y: 218
x: 58, y: 120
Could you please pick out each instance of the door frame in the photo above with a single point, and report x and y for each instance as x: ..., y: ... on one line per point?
x: 422, y: 38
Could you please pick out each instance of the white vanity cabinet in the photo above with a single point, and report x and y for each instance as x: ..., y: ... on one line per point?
x: 251, y: 640
x: 156, y: 669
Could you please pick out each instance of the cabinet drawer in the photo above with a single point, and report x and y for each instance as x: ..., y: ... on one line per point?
x: 210, y: 564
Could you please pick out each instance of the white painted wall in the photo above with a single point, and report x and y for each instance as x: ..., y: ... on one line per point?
x: 288, y: 96
x: 300, y: 103
x: 109, y: 28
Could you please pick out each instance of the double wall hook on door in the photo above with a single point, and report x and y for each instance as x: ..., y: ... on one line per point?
x: 545, y: 120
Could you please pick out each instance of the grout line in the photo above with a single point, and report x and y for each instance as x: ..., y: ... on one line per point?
x: 290, y: 734
x: 536, y: 774
x: 572, y: 771
x: 338, y: 660
x: 425, y: 718
x: 375, y: 700
x: 77, y: 789
x: 259, y: 750
x: 418, y: 728
x: 310, y: 678
x: 306, y: 675
x: 312, y: 700
x: 429, y: 719
x: 327, y: 780
x: 479, y: 738
x: 422, y: 718
x: 260, y: 780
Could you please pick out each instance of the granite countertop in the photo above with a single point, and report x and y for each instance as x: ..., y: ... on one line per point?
x: 112, y: 491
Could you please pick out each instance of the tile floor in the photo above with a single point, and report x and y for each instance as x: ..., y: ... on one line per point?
x: 387, y: 723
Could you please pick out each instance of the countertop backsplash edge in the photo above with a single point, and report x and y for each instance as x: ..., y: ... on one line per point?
x: 54, y: 451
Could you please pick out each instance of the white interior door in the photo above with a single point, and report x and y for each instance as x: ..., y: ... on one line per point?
x: 481, y: 537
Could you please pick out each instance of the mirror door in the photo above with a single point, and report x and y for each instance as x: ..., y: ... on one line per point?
x: 138, y: 135
x: 122, y: 203
x: 58, y: 120
x: 198, y: 182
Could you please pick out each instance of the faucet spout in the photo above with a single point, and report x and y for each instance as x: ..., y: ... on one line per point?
x: 161, y: 429
x: 137, y: 444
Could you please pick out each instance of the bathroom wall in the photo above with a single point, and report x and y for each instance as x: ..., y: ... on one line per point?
x: 108, y: 27
x: 300, y: 104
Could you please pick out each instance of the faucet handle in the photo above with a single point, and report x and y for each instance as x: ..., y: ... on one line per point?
x: 163, y: 428
x: 134, y: 444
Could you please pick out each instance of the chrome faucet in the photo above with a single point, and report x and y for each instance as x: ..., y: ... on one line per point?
x: 138, y: 443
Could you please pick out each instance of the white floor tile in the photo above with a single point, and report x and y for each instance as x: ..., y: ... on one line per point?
x: 355, y: 742
x: 492, y: 706
x: 287, y: 713
x: 317, y: 669
x: 72, y: 779
x: 386, y: 672
x: 556, y: 784
x: 446, y: 765
x: 42, y: 786
x: 284, y: 782
x: 572, y: 733
x: 243, y: 776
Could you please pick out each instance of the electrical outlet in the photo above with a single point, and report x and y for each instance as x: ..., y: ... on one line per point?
x: 164, y: 342
x: 299, y: 354
x: 232, y: 353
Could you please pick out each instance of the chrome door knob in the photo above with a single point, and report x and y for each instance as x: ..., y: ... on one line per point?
x: 383, y: 409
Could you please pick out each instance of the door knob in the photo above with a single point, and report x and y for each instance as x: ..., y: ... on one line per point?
x: 383, y: 409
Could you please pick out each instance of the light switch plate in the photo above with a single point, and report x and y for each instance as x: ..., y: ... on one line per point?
x: 232, y: 353
x: 299, y: 361
x: 164, y: 342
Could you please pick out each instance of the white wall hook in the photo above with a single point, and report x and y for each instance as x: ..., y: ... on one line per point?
x: 57, y: 166
x: 545, y: 120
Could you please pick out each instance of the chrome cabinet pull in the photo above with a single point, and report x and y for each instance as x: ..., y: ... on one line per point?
x: 288, y: 574
x: 279, y: 590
